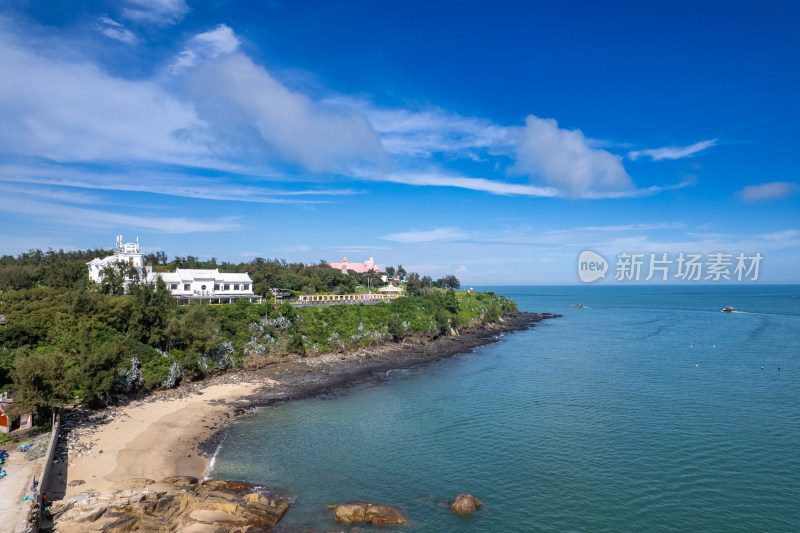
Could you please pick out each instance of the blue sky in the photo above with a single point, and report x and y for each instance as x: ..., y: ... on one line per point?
x: 491, y: 140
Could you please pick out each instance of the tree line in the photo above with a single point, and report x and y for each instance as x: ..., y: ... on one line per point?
x: 68, y: 340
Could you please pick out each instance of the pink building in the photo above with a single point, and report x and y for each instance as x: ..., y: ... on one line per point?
x: 361, y: 268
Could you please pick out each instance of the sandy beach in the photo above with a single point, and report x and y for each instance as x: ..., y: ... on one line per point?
x: 175, y: 432
x: 154, y: 438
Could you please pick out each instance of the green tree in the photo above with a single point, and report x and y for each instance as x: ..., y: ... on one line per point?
x: 195, y: 334
x: 413, y: 285
x: 401, y: 271
x: 448, y: 282
x: 41, y: 381
x: 115, y: 278
x: 390, y: 271
x: 395, y: 328
x: 99, y: 373
x: 150, y: 312
x: 61, y: 273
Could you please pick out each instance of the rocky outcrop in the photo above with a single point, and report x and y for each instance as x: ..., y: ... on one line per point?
x: 172, y: 504
x: 465, y: 503
x: 373, y: 513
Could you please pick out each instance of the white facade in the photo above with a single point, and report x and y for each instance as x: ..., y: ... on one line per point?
x: 123, y: 253
x: 208, y: 285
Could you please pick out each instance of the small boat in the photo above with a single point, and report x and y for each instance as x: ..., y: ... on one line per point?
x: 728, y: 309
x: 576, y: 305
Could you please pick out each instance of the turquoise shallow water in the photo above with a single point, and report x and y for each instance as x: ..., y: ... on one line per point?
x: 648, y: 410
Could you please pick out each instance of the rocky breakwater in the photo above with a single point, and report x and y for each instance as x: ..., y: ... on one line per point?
x: 173, y: 504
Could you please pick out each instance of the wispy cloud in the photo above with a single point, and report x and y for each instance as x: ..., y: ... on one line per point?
x: 69, y: 216
x: 434, y: 235
x: 115, y: 30
x: 769, y: 191
x: 672, y: 152
x: 356, y: 248
x: 219, y: 109
x: 207, y: 45
x: 157, y: 12
x: 168, y: 184
x: 624, y: 227
x: 475, y: 184
x: 431, y: 130
x: 296, y: 248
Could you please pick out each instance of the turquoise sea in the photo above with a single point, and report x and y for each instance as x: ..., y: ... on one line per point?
x: 646, y: 410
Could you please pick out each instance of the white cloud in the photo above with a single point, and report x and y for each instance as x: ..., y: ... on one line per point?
x: 625, y: 227
x: 769, y: 191
x: 73, y: 111
x: 422, y: 133
x: 114, y: 30
x: 357, y: 248
x: 672, y: 152
x: 295, y: 248
x: 163, y: 183
x: 434, y: 235
x: 475, y: 184
x: 423, y: 268
x: 67, y: 216
x: 158, y: 12
x: 222, y: 111
x: 208, y: 45
x: 241, y: 101
x: 563, y: 159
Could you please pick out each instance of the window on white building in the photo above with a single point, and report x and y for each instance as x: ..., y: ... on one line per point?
x: 216, y: 286
x: 246, y: 286
x: 236, y: 287
x: 227, y: 287
x: 174, y: 286
x: 187, y: 286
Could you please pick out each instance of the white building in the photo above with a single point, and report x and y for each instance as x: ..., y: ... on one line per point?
x: 207, y: 285
x: 391, y: 290
x: 123, y: 253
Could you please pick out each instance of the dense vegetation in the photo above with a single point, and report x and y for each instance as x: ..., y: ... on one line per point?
x: 68, y: 339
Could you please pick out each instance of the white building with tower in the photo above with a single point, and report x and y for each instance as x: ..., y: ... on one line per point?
x: 185, y: 284
x: 127, y: 254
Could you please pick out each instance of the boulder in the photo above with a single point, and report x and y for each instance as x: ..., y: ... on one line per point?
x: 178, y: 503
x: 181, y: 481
x: 138, y: 483
x: 381, y: 515
x: 465, y: 503
x: 375, y: 514
x: 347, y: 513
x: 217, y: 484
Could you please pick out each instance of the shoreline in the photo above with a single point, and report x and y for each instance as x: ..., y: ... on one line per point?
x: 333, y: 372
x: 176, y: 432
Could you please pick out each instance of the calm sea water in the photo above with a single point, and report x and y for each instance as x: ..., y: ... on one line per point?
x: 648, y: 410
